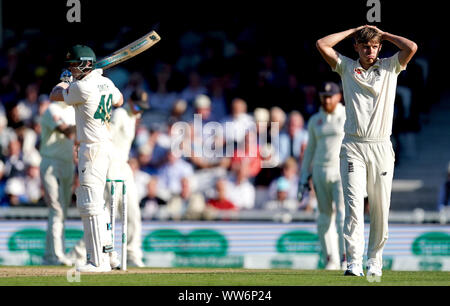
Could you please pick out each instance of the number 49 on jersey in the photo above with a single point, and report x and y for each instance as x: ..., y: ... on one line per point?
x: 104, y: 109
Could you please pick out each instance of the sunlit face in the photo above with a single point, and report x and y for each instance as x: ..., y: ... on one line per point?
x: 329, y: 103
x: 368, y: 52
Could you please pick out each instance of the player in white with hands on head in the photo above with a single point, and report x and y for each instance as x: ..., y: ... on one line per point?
x: 92, y: 96
x: 321, y: 160
x: 366, y: 157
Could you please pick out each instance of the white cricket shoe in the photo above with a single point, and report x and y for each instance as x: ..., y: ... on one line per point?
x: 332, y: 266
x: 91, y: 268
x: 344, y: 265
x: 114, y: 260
x: 354, y: 269
x: 373, y: 268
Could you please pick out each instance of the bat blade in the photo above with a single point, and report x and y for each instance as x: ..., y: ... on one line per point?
x: 129, y: 51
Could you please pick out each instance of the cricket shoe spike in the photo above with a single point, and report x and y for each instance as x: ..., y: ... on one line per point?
x: 91, y: 268
x: 373, y: 268
x: 354, y: 270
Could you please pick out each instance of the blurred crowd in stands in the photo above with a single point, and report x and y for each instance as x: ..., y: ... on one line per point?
x: 219, y: 78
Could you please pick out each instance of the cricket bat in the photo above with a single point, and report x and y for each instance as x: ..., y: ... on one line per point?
x: 129, y: 51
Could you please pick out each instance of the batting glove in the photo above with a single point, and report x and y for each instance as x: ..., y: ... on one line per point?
x: 66, y: 76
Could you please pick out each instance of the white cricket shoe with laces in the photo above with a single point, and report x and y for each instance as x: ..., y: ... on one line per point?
x: 354, y: 269
x: 373, y: 268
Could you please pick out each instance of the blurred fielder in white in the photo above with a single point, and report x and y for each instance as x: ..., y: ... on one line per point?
x: 57, y: 171
x: 321, y: 160
x: 123, y: 124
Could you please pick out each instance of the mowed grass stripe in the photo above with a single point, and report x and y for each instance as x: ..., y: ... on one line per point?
x: 231, y: 277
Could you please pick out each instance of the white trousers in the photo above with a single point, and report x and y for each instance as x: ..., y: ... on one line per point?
x: 366, y: 167
x: 121, y: 170
x: 93, y: 164
x: 57, y: 179
x: 328, y: 188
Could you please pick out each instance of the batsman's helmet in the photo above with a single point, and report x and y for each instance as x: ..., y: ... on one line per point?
x: 80, y: 53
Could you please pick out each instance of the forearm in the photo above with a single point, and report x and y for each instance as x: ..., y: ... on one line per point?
x: 401, y: 42
x: 57, y: 92
x: 407, y: 47
x: 333, y: 39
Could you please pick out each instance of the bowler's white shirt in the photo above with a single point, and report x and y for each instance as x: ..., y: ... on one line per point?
x: 369, y: 96
x: 87, y: 96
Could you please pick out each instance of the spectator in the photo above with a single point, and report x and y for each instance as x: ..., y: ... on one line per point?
x: 152, y: 201
x: 140, y: 177
x: 28, y: 108
x: 162, y: 99
x: 33, y: 186
x: 194, y: 88
x: 247, y: 154
x: 237, y: 125
x: 290, y: 174
x: 44, y: 102
x: 13, y: 117
x: 270, y: 169
x: 205, y: 136
x: 28, y: 139
x: 278, y: 116
x: 170, y: 175
x: 444, y: 192
x: 178, y: 112
x: 9, y: 89
x: 310, y: 105
x: 261, y: 117
x: 15, y: 191
x: 218, y: 98
x: 7, y: 134
x: 218, y: 202
x: 202, y: 105
x: 282, y: 199
x: 293, y: 142
x: 240, y: 191
x: 3, y: 196
x: 14, y: 164
x: 187, y: 203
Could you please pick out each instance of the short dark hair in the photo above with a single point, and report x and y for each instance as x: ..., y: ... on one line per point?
x: 367, y: 34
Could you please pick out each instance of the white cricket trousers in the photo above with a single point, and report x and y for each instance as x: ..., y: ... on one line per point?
x: 330, y: 222
x: 366, y: 166
x: 57, y: 178
x: 93, y: 163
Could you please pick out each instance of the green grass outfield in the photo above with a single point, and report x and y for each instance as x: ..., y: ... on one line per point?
x: 57, y: 276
